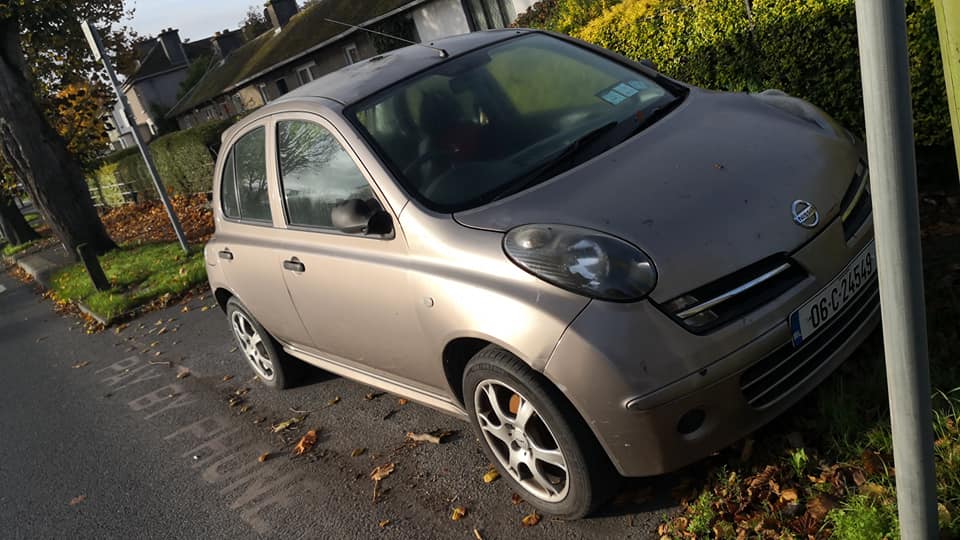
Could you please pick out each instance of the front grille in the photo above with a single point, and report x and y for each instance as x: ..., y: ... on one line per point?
x: 777, y: 374
x: 735, y: 306
x: 856, y: 205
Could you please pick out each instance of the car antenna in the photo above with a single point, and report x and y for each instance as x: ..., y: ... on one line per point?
x: 443, y: 52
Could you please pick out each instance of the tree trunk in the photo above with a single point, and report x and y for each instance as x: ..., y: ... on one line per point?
x: 15, y: 228
x: 38, y: 154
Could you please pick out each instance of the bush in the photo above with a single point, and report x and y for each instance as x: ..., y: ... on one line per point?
x: 566, y: 16
x: 104, y: 186
x: 807, y: 48
x: 184, y: 160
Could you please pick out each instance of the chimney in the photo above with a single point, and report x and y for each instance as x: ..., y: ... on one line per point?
x: 172, y: 46
x: 226, y: 42
x: 280, y: 12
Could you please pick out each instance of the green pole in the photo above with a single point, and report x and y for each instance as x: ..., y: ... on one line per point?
x: 948, y: 23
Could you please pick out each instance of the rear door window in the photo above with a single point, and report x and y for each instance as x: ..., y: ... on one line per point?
x: 249, y: 155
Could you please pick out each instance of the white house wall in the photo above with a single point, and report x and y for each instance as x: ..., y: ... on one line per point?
x: 520, y: 6
x: 441, y: 18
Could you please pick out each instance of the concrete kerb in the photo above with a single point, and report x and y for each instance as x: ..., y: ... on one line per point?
x: 43, y: 264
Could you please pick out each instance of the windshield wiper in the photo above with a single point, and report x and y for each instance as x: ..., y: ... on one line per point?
x: 654, y: 115
x: 544, y: 170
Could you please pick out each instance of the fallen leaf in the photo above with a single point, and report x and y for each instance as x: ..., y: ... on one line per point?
x: 820, y: 506
x: 234, y: 401
x: 185, y: 309
x: 162, y: 331
x: 383, y: 523
x: 154, y: 344
x: 333, y: 401
x: 357, y: 452
x: 306, y: 443
x: 286, y: 424
x: 234, y: 349
x: 372, y: 396
x: 382, y: 471
x: 390, y: 414
x: 245, y: 408
x: 120, y: 328
x: 516, y: 499
x: 77, y: 500
x: 227, y: 378
x: 205, y: 308
x: 458, y: 513
x: 873, y: 491
x: 79, y: 365
x: 530, y: 520
x: 263, y: 457
x: 435, y: 437
x: 158, y: 353
x: 183, y: 374
x: 490, y: 476
x: 401, y: 402
x: 260, y: 420
x: 476, y: 533
x: 789, y: 495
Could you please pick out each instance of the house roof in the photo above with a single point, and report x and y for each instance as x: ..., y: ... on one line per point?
x: 153, y: 63
x: 305, y: 32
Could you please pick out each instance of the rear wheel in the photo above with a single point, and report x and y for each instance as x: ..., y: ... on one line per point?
x: 535, y: 437
x: 261, y: 351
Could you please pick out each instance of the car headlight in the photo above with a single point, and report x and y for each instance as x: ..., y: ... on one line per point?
x: 803, y: 109
x: 582, y: 261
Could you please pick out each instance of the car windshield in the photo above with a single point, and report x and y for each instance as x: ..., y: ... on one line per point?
x: 500, y: 119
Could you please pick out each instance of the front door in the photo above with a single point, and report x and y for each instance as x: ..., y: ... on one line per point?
x: 350, y: 289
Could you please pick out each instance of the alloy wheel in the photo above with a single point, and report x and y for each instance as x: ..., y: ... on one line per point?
x: 522, y: 441
x: 252, y: 345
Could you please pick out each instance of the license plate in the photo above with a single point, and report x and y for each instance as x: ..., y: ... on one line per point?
x: 817, y: 312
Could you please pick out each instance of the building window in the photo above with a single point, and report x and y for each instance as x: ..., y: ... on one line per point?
x: 282, y: 86
x: 489, y: 14
x: 304, y: 74
x: 351, y: 53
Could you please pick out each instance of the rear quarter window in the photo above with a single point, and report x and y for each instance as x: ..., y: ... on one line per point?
x: 244, y: 190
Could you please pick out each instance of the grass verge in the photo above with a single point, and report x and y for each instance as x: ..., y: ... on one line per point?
x: 138, y: 274
x: 10, y: 250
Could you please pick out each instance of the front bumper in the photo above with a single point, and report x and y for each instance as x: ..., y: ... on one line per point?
x: 614, y: 356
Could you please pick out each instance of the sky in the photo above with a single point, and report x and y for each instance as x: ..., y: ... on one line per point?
x: 196, y: 19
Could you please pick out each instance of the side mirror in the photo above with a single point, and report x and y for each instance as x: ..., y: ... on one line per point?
x: 649, y: 64
x: 356, y: 216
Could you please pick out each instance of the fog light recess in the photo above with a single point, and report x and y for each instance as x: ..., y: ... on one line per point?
x: 691, y: 421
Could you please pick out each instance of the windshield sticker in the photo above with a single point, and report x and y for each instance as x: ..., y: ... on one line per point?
x: 639, y: 85
x: 612, y: 97
x: 626, y: 89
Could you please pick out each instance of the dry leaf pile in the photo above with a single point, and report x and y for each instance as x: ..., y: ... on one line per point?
x: 148, y: 222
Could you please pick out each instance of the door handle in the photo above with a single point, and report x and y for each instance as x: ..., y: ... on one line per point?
x: 294, y: 265
x: 225, y: 254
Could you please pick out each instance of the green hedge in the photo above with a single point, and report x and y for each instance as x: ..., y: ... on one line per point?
x: 807, y: 48
x: 183, y: 160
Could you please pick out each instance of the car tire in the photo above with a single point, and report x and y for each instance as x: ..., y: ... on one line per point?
x: 263, y: 354
x: 580, y: 480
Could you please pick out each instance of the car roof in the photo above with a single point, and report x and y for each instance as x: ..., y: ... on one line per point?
x: 357, y: 81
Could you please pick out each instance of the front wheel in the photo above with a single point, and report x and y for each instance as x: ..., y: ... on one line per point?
x: 535, y: 437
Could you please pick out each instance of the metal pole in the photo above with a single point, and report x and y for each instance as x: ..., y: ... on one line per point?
x: 881, y: 26
x: 96, y: 45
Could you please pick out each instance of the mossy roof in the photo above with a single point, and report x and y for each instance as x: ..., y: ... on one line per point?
x: 271, y: 49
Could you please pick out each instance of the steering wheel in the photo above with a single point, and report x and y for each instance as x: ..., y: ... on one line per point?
x: 426, y: 158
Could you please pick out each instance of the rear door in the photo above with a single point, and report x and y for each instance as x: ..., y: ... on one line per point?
x: 350, y: 289
x: 246, y: 236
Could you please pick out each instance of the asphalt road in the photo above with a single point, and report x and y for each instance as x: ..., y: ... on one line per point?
x: 98, y: 442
